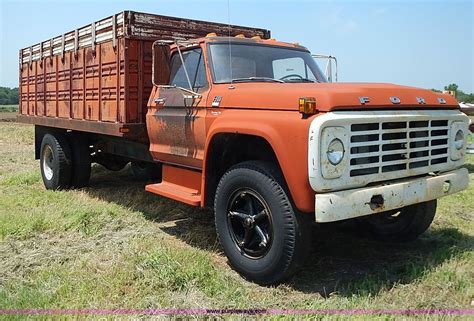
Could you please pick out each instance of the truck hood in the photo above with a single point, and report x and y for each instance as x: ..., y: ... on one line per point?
x: 329, y: 96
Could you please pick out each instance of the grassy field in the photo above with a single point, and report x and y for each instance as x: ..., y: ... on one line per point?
x: 8, y: 108
x: 112, y: 245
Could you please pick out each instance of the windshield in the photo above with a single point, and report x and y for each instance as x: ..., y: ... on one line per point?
x: 262, y: 63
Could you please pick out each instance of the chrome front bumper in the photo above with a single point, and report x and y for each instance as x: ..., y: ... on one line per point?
x: 352, y: 203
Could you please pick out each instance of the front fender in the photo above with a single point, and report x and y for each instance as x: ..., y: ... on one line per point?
x: 287, y: 134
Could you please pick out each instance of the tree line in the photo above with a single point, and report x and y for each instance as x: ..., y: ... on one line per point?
x: 8, y: 96
x: 460, y: 95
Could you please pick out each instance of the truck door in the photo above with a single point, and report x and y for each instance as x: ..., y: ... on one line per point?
x: 176, y: 120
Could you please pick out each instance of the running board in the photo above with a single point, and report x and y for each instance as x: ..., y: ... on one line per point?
x: 180, y: 184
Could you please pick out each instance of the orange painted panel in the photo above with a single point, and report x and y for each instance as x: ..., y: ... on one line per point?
x: 32, y: 89
x: 24, y: 89
x: 40, y: 89
x: 77, y: 85
x: 51, y: 83
x: 64, y: 85
x: 287, y: 134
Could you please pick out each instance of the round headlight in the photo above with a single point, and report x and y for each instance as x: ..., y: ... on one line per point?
x: 459, y: 140
x: 335, y: 151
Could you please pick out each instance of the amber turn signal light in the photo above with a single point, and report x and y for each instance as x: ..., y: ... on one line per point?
x: 308, y: 105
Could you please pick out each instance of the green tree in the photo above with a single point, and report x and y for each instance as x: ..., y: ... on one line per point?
x: 8, y: 96
x: 452, y: 87
x: 460, y: 95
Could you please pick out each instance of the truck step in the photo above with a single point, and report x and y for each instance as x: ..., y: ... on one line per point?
x: 177, y: 192
x: 180, y: 184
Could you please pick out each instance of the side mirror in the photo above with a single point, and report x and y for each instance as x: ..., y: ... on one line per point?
x: 161, y: 63
x: 329, y: 71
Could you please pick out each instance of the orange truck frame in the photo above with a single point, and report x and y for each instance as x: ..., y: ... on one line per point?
x: 243, y: 124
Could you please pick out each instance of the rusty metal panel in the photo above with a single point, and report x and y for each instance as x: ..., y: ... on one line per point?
x: 40, y: 89
x: 63, y: 85
x: 23, y: 91
x: 102, y: 72
x: 51, y: 85
x: 150, y: 26
x: 77, y: 85
x: 136, y: 132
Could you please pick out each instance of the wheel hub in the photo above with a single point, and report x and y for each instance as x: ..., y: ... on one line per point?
x: 48, y: 159
x: 250, y: 223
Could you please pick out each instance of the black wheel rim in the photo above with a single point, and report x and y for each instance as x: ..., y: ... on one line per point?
x: 250, y: 223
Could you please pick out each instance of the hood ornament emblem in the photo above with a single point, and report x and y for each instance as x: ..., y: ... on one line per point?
x: 395, y: 100
x: 420, y: 100
x: 363, y: 100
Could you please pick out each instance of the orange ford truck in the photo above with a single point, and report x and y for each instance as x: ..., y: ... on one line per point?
x: 243, y: 124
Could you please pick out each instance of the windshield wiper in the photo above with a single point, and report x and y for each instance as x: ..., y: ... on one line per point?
x: 263, y: 79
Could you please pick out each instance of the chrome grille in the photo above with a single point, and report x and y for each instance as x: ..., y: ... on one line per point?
x: 397, y: 146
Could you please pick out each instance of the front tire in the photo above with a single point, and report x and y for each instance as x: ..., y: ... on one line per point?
x: 264, y: 238
x: 55, y: 162
x: 402, y: 225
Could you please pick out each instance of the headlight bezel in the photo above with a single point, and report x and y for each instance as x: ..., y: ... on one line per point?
x: 455, y: 152
x: 329, y: 134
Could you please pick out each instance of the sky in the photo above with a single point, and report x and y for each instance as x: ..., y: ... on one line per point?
x: 422, y: 43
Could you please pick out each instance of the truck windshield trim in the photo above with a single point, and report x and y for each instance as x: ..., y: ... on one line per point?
x: 260, y: 62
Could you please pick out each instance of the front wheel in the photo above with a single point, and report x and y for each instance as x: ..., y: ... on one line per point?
x: 402, y: 225
x: 262, y: 235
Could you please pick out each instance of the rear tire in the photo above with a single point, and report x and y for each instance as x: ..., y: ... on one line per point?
x: 402, y: 225
x: 251, y: 197
x: 55, y: 162
x: 81, y: 161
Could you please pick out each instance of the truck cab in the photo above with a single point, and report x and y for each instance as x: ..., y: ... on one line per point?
x: 379, y: 153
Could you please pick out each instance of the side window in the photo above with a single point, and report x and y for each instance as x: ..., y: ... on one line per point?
x: 194, y: 62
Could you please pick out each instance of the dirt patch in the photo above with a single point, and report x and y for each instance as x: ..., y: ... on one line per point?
x: 8, y: 116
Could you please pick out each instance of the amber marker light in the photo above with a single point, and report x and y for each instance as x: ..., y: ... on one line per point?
x: 308, y: 106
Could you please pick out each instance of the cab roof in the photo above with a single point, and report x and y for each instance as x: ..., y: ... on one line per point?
x: 253, y: 40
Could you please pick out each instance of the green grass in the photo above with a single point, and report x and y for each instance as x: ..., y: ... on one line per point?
x: 112, y: 245
x: 8, y: 108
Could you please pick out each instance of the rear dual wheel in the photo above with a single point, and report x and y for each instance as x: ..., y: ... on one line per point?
x: 55, y: 162
x: 64, y: 164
